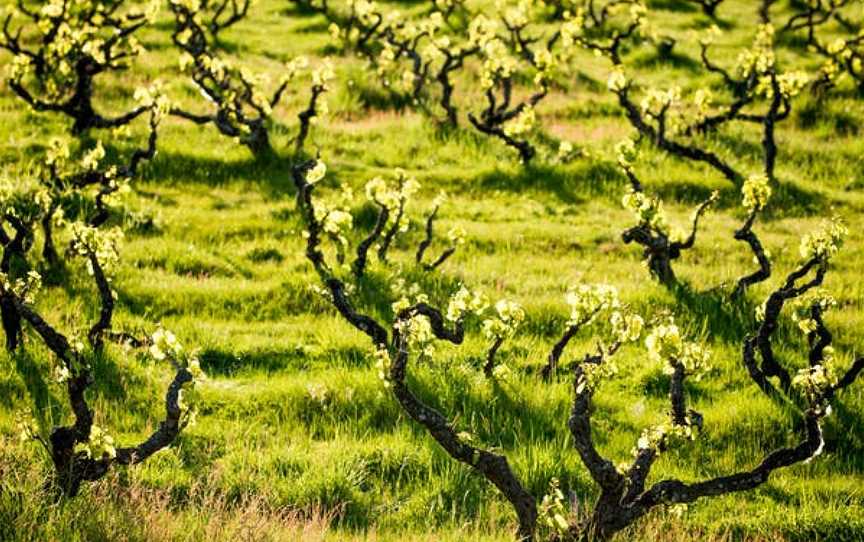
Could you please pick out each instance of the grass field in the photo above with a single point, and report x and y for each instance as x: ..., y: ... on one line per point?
x: 297, y: 439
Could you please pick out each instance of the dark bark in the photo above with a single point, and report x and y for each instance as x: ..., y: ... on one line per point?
x: 773, y: 306
x: 659, y: 250
x: 746, y: 234
x: 225, y: 14
x: 73, y: 468
x: 429, y: 232
x: 424, y: 245
x: 709, y: 7
x: 305, y: 117
x: 359, y: 265
x: 14, y: 248
x: 77, y: 96
x: 809, y: 17
x: 106, y: 295
x: 497, y: 113
x: 11, y: 322
x: 237, y: 113
x: 49, y: 250
x: 489, y: 366
x: 623, y: 497
x: 551, y: 365
x: 494, y: 467
x: 393, y: 230
x: 660, y: 139
x: 439, y: 261
x: 451, y: 64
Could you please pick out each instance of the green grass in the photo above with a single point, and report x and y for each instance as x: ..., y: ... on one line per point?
x: 298, y: 439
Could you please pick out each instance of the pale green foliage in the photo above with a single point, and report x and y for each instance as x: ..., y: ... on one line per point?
x: 464, y: 302
x: 756, y: 191
x: 504, y: 321
x: 666, y: 345
x: 523, y: 124
x: 586, y: 301
x: 553, y: 510
x: 335, y: 216
x: 72, y: 31
x: 626, y: 326
x: 99, y: 445
x: 382, y: 365
x: 626, y: 153
x: 164, y: 346
x: 317, y: 172
x: 417, y: 330
x: 649, y: 210
x: 239, y: 314
x: 617, y: 79
x: 502, y: 372
x: 394, y: 196
x: 25, y: 287
x: 103, y: 243
x: 593, y: 374
x: 663, y: 436
x: 153, y: 97
x: 825, y: 242
x: 813, y: 381
x: 801, y: 308
x: 456, y: 235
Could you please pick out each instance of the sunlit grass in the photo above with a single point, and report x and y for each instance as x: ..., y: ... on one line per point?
x: 297, y: 438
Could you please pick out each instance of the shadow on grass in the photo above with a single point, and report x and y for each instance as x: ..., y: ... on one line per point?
x: 575, y: 183
x: 45, y: 405
x: 792, y: 200
x: 584, y: 180
x: 374, y: 293
x: 220, y: 362
x: 668, y: 59
x: 273, y: 174
x: 298, y: 9
x: 110, y: 381
x: 713, y: 310
x: 816, y: 113
x: 585, y: 81
x: 787, y: 200
x: 675, y: 6
x: 504, y: 421
x: 372, y: 96
x: 796, y: 41
x: 548, y: 323
x: 270, y: 304
x: 845, y: 437
x: 656, y: 384
x: 700, y: 21
x: 317, y: 27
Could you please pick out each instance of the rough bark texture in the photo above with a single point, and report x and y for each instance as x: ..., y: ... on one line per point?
x: 496, y: 114
x: 551, y: 365
x: 359, y: 265
x: 77, y: 99
x: 237, y: 115
x: 427, y: 242
x: 746, y: 234
x: 492, y: 466
x: 659, y: 250
x: 489, y: 366
x: 625, y: 496
x: 73, y: 468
